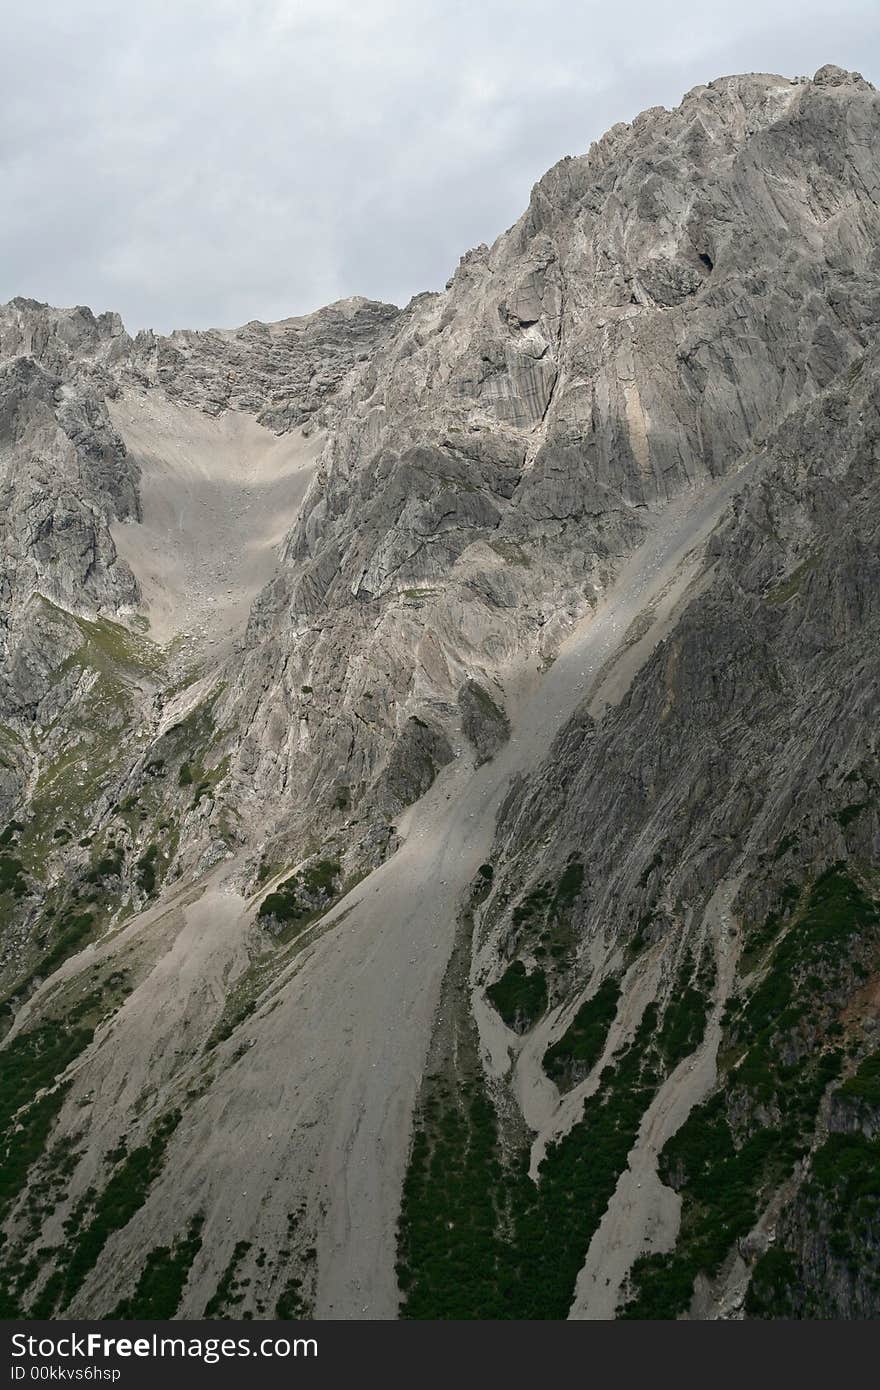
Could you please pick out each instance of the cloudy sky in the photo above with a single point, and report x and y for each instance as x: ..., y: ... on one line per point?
x: 205, y: 162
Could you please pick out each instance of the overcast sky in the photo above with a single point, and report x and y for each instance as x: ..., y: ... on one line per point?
x: 205, y: 162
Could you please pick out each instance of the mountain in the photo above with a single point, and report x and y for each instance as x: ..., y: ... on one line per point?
x: 438, y: 757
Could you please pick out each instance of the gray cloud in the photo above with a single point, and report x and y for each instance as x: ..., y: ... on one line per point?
x: 211, y: 161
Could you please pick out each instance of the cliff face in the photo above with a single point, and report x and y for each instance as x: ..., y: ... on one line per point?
x: 548, y: 603
x: 65, y: 474
x: 663, y: 304
x: 719, y: 826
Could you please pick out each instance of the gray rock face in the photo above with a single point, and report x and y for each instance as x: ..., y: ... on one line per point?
x: 484, y: 725
x: 64, y: 476
x: 415, y: 760
x: 665, y: 301
x: 743, y: 754
x: 694, y: 300
x: 283, y: 373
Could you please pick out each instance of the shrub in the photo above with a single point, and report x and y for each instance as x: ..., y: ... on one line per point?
x: 124, y: 1194
x: 283, y: 904
x: 519, y: 997
x: 11, y: 876
x: 162, y: 1280
x: 581, y: 1044
x: 146, y: 878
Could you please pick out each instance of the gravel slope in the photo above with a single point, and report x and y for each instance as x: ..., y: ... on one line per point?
x: 217, y: 497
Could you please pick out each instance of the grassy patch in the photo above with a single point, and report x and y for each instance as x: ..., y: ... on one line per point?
x: 107, y: 646
x: 785, y: 591
x: 510, y: 552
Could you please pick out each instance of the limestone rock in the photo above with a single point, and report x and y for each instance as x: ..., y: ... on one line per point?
x: 484, y: 725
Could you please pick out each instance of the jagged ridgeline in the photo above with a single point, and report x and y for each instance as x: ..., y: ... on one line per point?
x: 439, y: 779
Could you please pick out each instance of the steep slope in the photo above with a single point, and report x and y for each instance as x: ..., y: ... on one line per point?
x: 718, y: 828
x: 526, y: 786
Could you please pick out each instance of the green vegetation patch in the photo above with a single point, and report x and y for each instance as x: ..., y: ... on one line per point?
x: 864, y: 1085
x: 545, y: 912
x: 230, y: 1290
x: 300, y: 896
x: 73, y: 912
x: 188, y: 745
x: 509, y: 551
x: 776, y: 1275
x: 109, y: 865
x: 477, y: 1237
x: 782, y: 1063
x: 283, y: 904
x: 10, y: 835
x: 293, y: 1302
x: 570, y: 885
x: 147, y: 872
x: 841, y: 1200
x: 292, y: 1305
x: 321, y: 876
x: 12, y: 878
x: 161, y: 1284
x: 785, y: 591
x: 74, y: 929
x: 111, y: 1210
x: 29, y: 1097
x: 759, y: 938
x: 534, y: 905
x: 846, y: 1175
x: 684, y: 1023
x: 574, y: 1055
x: 455, y: 1194
x: 519, y: 996
x: 107, y: 646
